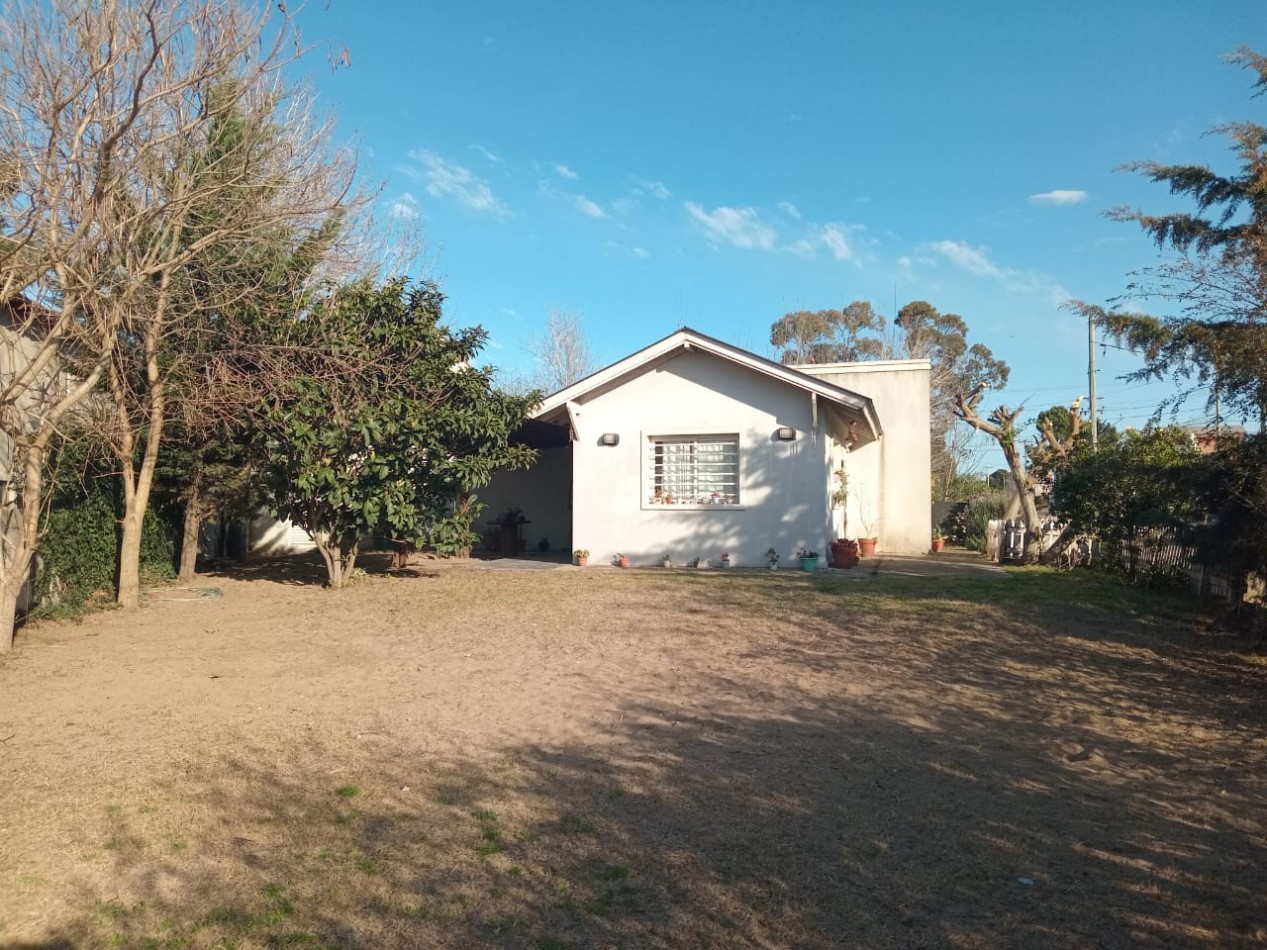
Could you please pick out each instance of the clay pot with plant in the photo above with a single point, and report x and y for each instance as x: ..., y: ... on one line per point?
x: 582, y: 556
x: 844, y: 553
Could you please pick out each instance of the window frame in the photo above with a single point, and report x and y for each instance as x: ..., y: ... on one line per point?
x: 649, y: 440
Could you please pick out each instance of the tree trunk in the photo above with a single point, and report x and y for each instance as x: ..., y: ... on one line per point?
x: 1057, y: 550
x: 8, y: 612
x: 1029, y: 510
x: 15, y: 576
x: 339, y: 558
x: 189, y: 534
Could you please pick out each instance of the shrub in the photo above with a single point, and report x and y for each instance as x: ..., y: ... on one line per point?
x: 79, y: 553
x: 975, y: 517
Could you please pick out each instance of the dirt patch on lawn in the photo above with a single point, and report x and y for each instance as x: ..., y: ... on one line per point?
x: 640, y: 759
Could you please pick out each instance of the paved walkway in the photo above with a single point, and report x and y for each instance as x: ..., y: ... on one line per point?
x: 946, y: 564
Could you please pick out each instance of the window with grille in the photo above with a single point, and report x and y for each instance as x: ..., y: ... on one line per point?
x: 693, y: 470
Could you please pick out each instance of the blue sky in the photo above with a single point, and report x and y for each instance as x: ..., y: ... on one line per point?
x: 715, y: 165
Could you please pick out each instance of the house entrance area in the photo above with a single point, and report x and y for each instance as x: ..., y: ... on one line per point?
x: 529, y: 513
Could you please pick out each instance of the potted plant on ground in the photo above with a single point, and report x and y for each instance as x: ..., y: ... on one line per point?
x: 667, y: 560
x: 808, y: 559
x: 870, y: 522
x: 772, y: 558
x: 844, y: 553
x: 939, y: 542
x: 582, y: 556
x: 725, y: 559
x: 621, y: 560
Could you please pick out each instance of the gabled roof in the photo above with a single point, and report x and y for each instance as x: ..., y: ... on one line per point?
x: 554, y: 407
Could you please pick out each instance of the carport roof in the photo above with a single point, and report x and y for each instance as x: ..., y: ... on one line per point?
x: 554, y: 408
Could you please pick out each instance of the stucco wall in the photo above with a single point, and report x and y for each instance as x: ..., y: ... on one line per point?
x: 542, y: 493
x: 783, y: 485
x: 889, y: 483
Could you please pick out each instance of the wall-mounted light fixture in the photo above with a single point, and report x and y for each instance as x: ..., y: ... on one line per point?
x: 785, y: 434
x: 609, y: 438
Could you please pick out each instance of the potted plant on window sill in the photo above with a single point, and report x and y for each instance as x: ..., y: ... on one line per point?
x: 808, y: 559
x: 582, y: 556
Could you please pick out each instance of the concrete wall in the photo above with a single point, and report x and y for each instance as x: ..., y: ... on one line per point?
x: 543, y: 493
x: 890, y: 489
x: 784, y: 486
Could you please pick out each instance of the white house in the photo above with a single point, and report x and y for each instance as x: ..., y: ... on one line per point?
x: 692, y: 447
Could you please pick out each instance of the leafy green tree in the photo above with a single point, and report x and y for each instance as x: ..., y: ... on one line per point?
x: 957, y: 367
x: 1144, y: 484
x: 394, y: 438
x: 1234, y: 533
x: 854, y: 332
x: 857, y: 332
x: 1218, y: 335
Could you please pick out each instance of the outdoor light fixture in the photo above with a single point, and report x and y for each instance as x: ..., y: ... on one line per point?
x: 609, y: 438
x: 785, y: 434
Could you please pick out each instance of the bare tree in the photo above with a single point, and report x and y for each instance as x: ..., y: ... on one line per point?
x: 1000, y: 425
x: 112, y: 202
x: 561, y: 351
x: 245, y: 175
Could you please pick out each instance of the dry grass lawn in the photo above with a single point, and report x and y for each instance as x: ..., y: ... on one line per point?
x: 595, y: 758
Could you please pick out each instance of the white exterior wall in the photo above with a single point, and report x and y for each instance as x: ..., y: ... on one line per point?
x: 889, y: 480
x: 783, y: 485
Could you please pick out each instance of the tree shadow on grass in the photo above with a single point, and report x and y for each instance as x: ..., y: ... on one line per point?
x: 783, y: 820
x: 306, y: 569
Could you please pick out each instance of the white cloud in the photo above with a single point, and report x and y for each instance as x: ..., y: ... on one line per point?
x: 789, y: 209
x: 406, y: 206
x: 833, y: 236
x: 741, y: 227
x: 1058, y: 198
x: 655, y: 189
x: 976, y: 260
x: 564, y: 172
x: 591, y: 208
x: 624, y: 250
x: 450, y: 180
x: 492, y: 157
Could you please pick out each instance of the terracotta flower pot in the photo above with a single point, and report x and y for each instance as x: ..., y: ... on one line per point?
x: 938, y: 545
x: 581, y: 561
x: 844, y: 553
x: 866, y: 546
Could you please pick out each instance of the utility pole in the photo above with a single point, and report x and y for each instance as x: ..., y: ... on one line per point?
x: 1095, y: 431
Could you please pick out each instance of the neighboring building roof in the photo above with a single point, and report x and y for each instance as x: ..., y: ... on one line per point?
x: 554, y: 407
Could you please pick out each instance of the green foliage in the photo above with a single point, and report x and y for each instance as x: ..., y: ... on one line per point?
x: 78, y: 556
x: 1218, y: 337
x: 1141, y: 489
x: 1234, y: 490
x: 857, y: 332
x: 394, y: 443
x: 970, y: 526
x: 829, y: 336
x: 963, y: 486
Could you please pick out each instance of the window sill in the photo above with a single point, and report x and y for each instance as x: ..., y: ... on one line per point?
x: 650, y: 507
